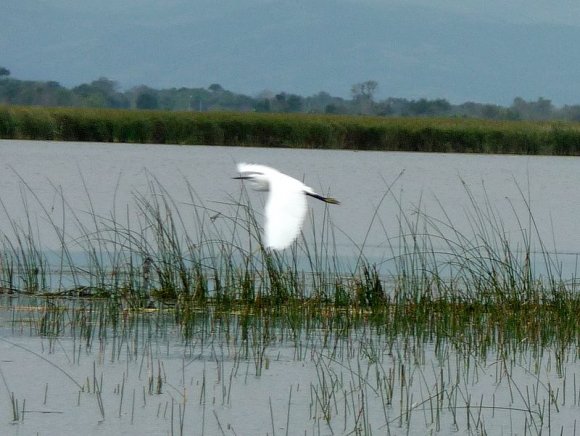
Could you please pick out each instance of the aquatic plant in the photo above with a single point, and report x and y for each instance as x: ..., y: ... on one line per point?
x: 291, y: 130
x: 186, y: 257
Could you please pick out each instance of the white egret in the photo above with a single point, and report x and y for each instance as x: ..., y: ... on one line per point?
x: 286, y: 204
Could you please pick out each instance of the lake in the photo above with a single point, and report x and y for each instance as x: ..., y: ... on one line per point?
x: 377, y: 190
x: 69, y: 373
x: 72, y: 366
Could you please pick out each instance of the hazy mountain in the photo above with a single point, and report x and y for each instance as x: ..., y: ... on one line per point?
x: 412, y: 49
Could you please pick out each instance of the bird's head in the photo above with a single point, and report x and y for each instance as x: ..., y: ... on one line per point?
x: 259, y: 181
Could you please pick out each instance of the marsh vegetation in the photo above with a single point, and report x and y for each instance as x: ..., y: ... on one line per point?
x: 183, y: 322
x: 292, y: 130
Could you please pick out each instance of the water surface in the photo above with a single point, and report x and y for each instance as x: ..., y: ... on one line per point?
x: 74, y: 372
x: 375, y: 188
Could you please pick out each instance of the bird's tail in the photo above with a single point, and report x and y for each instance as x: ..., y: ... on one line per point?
x: 331, y: 200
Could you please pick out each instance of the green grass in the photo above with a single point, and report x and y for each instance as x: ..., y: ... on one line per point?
x: 195, y: 260
x: 468, y: 337
x: 392, y: 350
x: 291, y: 130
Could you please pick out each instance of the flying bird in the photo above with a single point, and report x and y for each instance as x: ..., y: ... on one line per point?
x: 286, y: 204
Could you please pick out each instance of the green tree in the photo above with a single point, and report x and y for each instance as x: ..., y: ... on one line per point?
x: 364, y: 90
x: 101, y: 93
x: 534, y: 110
x: 147, y: 100
x: 362, y: 95
x: 423, y: 107
x: 4, y: 72
x: 333, y: 108
x: 294, y: 103
x: 571, y: 113
x: 262, y: 105
x: 215, y: 87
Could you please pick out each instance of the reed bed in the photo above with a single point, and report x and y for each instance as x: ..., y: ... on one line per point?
x: 170, y: 315
x: 291, y: 130
x: 317, y: 372
x: 197, y: 257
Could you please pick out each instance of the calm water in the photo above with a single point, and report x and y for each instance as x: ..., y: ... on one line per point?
x: 295, y: 382
x: 436, y: 184
x: 143, y: 378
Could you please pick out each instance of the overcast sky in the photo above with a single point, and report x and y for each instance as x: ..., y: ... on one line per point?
x: 486, y: 51
x: 513, y: 11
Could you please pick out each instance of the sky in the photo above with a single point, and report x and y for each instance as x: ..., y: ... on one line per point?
x: 487, y: 51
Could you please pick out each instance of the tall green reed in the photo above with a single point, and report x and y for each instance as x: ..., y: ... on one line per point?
x: 290, y: 130
x: 188, y: 254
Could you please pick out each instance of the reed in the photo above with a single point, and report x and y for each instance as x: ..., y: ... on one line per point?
x: 190, y: 265
x: 291, y: 130
x: 201, y: 255
x: 373, y: 369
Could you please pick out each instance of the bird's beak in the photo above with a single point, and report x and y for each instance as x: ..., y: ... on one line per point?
x: 241, y: 177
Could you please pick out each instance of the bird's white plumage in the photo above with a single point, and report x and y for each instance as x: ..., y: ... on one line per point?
x: 286, y: 204
x: 285, y: 211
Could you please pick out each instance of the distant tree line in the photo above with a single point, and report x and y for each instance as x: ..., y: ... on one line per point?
x: 105, y: 93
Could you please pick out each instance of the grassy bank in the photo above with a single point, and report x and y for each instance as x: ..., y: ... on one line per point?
x: 291, y: 130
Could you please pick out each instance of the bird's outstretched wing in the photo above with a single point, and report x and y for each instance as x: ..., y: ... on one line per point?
x: 246, y: 168
x: 285, y: 211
